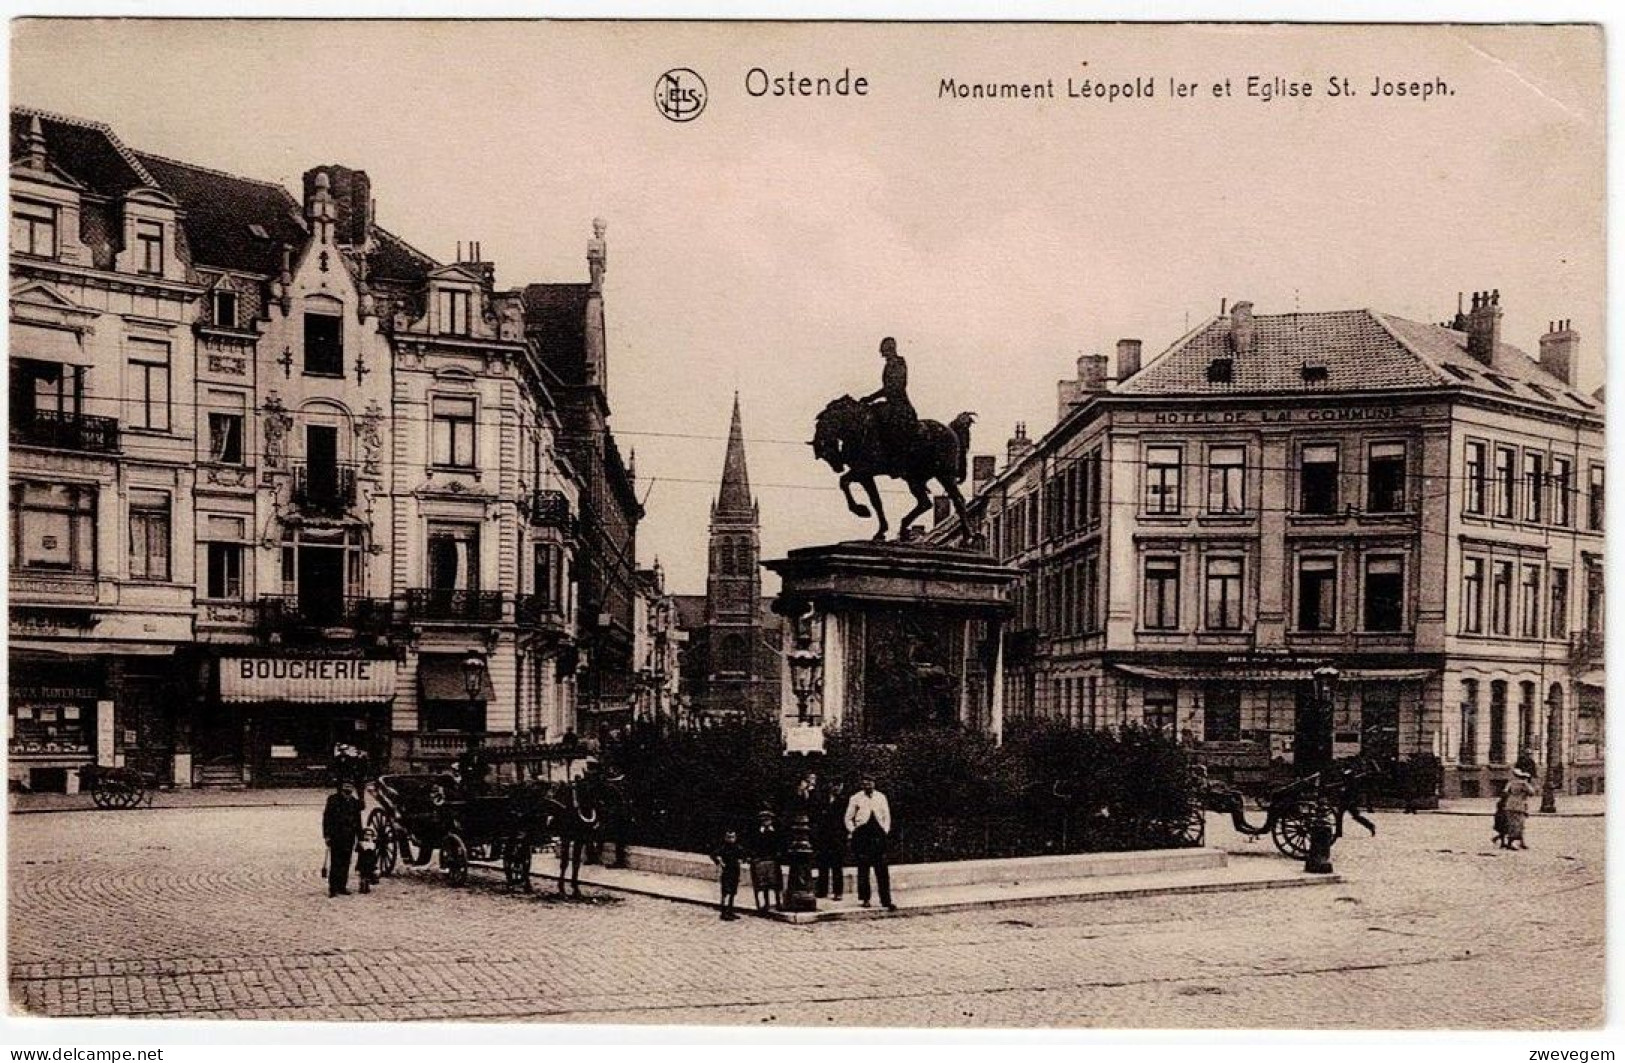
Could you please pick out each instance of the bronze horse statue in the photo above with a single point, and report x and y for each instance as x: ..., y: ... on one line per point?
x: 848, y: 437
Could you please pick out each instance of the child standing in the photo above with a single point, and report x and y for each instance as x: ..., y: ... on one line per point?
x: 763, y: 847
x: 366, y: 861
x: 728, y: 857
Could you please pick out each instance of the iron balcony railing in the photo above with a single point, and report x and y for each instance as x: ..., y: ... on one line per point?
x: 66, y: 431
x: 289, y: 614
x: 551, y: 509
x: 540, y: 611
x: 324, y: 489
x: 455, y: 606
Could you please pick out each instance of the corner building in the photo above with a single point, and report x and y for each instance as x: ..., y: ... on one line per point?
x: 1419, y: 505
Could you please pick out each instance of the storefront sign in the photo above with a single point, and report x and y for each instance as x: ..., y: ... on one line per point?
x: 1296, y: 413
x: 313, y: 680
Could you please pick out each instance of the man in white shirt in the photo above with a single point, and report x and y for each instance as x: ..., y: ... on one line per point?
x: 868, y: 824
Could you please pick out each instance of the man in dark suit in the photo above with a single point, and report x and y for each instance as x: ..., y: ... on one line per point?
x: 341, y: 826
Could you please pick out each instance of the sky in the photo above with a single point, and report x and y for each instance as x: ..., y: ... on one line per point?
x: 766, y: 246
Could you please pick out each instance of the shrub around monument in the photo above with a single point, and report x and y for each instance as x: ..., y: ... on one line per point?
x: 954, y: 794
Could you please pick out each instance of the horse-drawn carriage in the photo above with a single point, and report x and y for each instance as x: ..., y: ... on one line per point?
x: 1290, y: 811
x: 415, y: 816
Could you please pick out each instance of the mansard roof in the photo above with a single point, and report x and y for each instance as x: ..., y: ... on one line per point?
x: 231, y: 222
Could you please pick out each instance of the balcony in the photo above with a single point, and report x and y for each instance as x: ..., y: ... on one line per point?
x: 436, y: 605
x: 551, y: 509
x: 66, y: 431
x: 289, y: 616
x: 540, y: 612
x: 1586, y: 649
x: 324, y: 490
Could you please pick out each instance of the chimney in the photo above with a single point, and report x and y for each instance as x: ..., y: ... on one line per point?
x: 1019, y: 445
x: 1557, y: 350
x: 1091, y: 373
x: 1484, y: 326
x: 941, y: 508
x: 1067, y: 393
x: 352, y: 202
x: 983, y: 467
x: 1128, y: 359
x: 1241, y: 329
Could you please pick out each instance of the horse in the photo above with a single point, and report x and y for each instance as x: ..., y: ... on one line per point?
x: 847, y: 438
x: 576, y: 826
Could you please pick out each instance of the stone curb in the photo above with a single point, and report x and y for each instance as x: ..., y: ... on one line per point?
x: 1491, y: 813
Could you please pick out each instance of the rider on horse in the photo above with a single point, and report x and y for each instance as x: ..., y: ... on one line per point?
x: 894, y: 413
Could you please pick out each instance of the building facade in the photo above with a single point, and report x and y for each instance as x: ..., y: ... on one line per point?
x: 656, y: 650
x: 1418, y: 506
x: 313, y: 479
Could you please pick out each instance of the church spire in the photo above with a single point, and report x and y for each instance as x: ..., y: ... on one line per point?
x: 734, y: 500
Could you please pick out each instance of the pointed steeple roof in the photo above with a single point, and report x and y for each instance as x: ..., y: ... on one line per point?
x: 733, y: 500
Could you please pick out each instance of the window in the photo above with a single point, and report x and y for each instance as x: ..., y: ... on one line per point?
x: 226, y: 427
x: 1385, y: 478
x: 149, y: 535
x: 1562, y: 492
x: 1468, y: 751
x: 1093, y: 494
x: 1224, y: 593
x: 1159, y: 709
x: 1476, y: 478
x: 33, y: 230
x: 1534, y: 478
x: 53, y: 528
x: 1226, y: 480
x: 1529, y: 605
x: 1090, y: 592
x: 1317, y: 480
x: 1506, y: 482
x: 1594, y: 599
x: 1527, y: 739
x: 1221, y: 714
x: 1501, y: 598
x: 1379, y: 720
x: 1384, y: 594
x: 453, y: 432
x: 1498, y: 721
x: 456, y: 311
x: 223, y: 308
x: 454, y: 557
x: 324, y: 344
x: 223, y: 557
x: 1221, y: 371
x: 1557, y: 625
x: 1317, y: 594
x: 1162, y: 479
x: 149, y: 248
x: 1472, y: 596
x: 149, y: 385
x: 1161, y: 593
x: 1594, y: 499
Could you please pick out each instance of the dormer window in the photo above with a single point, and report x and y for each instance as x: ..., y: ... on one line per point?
x: 33, y: 230
x: 223, y: 309
x: 1221, y: 371
x: 149, y: 248
x: 456, y: 311
x: 1315, y: 374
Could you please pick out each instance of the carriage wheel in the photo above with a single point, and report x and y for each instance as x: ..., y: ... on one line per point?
x: 383, y: 829
x: 516, y: 863
x: 454, y: 859
x: 1194, y: 829
x: 1292, y: 828
x: 124, y: 797
x: 102, y: 796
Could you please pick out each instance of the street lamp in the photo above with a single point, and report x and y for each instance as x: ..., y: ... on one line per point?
x: 806, y: 669
x: 1319, y: 859
x: 473, y: 684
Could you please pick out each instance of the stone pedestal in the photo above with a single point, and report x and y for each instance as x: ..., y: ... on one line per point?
x: 908, y: 636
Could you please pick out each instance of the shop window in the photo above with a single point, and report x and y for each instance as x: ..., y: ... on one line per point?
x: 1498, y: 721
x: 1468, y: 752
x: 1226, y: 480
x: 1501, y: 598
x: 1317, y: 594
x: 53, y: 528
x: 1379, y: 720
x: 1529, y: 604
x: 1384, y: 594
x: 1162, y: 469
x: 149, y: 535
x: 1472, y: 595
x: 1159, y: 709
x: 1162, y: 593
x: 324, y: 344
x: 52, y: 727
x: 1534, y: 479
x: 226, y: 419
x: 149, y: 385
x: 1476, y: 479
x: 33, y: 229
x: 1221, y: 714
x: 461, y: 716
x: 1506, y: 482
x: 1224, y: 593
x: 453, y: 431
x: 1317, y: 480
x: 1385, y: 478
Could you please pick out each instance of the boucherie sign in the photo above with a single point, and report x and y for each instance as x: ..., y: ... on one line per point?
x: 319, y: 680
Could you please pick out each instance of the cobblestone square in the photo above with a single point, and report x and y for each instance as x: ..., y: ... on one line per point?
x: 221, y: 913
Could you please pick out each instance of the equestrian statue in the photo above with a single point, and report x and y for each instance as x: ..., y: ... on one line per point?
x: 881, y: 435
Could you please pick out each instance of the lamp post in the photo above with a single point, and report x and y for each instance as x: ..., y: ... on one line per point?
x: 805, y: 665
x: 1319, y: 859
x: 1551, y: 777
x: 473, y: 683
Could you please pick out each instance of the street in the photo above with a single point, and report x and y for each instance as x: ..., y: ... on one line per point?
x: 221, y: 913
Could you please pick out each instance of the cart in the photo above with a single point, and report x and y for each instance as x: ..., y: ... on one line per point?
x: 115, y: 788
x: 416, y: 816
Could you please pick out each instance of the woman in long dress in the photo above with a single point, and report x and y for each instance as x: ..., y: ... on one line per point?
x: 1515, y: 803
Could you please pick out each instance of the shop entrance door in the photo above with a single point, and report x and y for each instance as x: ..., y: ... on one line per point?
x: 297, y: 741
x: 1312, y: 741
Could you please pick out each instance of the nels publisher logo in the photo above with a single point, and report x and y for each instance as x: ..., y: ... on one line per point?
x: 680, y: 94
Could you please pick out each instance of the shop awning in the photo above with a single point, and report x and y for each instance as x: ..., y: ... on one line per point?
x: 440, y: 678
x: 1243, y: 673
x: 92, y: 648
x: 49, y: 345
x: 1591, y: 678
x: 307, y: 680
